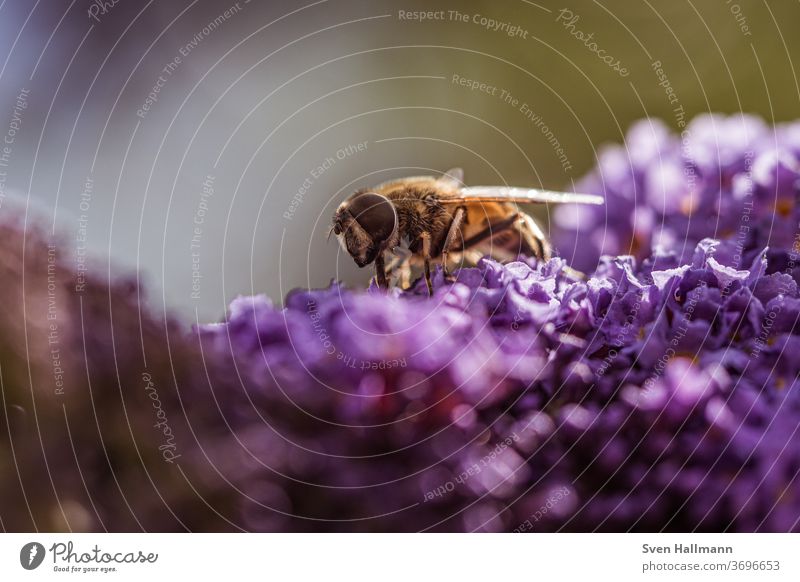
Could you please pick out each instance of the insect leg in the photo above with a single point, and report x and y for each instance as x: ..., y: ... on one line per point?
x: 380, y: 272
x: 489, y: 232
x: 401, y: 255
x: 426, y: 256
x: 400, y: 263
x: 530, y: 239
x: 534, y: 237
x: 404, y: 274
x: 455, y: 228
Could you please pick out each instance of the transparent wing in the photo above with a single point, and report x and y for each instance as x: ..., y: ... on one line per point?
x: 520, y: 195
x: 403, y: 182
x: 453, y: 176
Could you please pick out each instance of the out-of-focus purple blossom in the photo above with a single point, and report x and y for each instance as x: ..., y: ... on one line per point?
x: 723, y: 177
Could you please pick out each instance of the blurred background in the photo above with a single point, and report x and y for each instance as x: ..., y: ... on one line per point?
x: 205, y: 144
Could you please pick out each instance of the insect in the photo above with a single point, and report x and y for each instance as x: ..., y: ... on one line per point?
x: 426, y: 219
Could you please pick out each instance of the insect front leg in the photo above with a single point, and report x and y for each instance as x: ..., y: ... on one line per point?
x: 380, y: 272
x: 426, y: 257
x: 404, y: 274
x: 400, y: 264
x: 449, y: 241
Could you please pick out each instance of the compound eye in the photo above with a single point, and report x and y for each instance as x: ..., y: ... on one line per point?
x: 376, y: 215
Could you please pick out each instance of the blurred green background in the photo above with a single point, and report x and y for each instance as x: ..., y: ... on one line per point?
x: 263, y: 98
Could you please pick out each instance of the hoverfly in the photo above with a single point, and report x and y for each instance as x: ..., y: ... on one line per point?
x: 438, y: 218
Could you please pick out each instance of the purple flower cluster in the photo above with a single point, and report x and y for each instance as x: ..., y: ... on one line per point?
x: 730, y: 178
x: 520, y: 398
x: 658, y: 393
